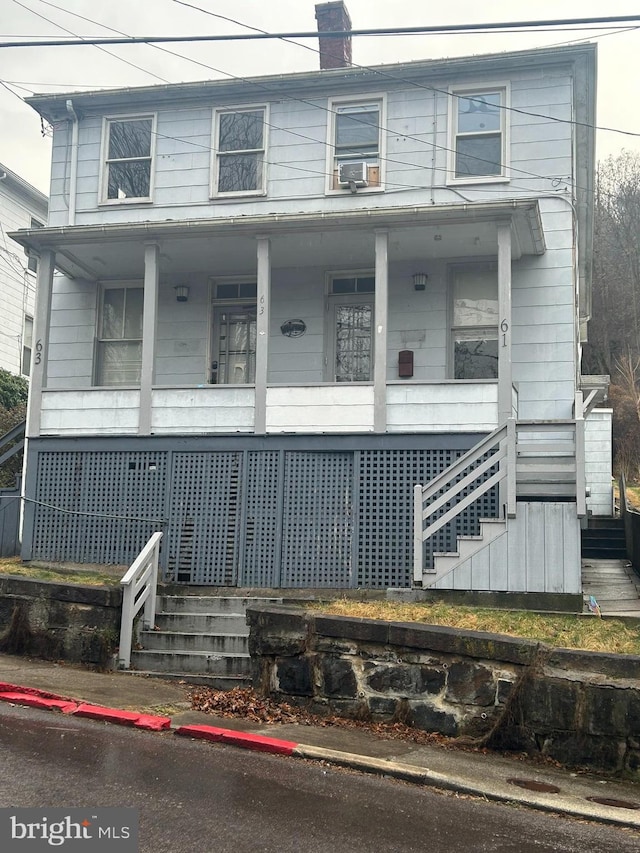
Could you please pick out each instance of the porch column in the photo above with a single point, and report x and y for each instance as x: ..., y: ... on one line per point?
x: 149, y: 321
x: 505, y: 382
x: 381, y: 310
x: 262, y: 334
x: 40, y: 349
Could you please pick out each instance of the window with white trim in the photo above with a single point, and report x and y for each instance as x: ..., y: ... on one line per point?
x: 32, y: 258
x: 474, y: 329
x: 27, y: 345
x: 128, y: 159
x: 119, y: 345
x: 240, y: 146
x: 357, y: 138
x: 479, y: 125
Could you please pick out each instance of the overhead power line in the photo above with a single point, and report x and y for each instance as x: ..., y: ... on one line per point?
x: 385, y: 31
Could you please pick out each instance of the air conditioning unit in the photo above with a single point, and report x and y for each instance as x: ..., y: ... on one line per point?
x: 353, y: 173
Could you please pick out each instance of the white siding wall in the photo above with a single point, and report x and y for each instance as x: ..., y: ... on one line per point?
x: 296, y: 157
x: 96, y: 412
x: 213, y: 409
x: 17, y: 284
x: 448, y: 407
x: 598, y: 451
x: 331, y: 408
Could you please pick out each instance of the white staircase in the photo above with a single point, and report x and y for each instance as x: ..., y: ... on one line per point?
x: 468, y: 546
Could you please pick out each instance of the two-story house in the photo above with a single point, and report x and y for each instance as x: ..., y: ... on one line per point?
x: 21, y: 206
x: 269, y: 307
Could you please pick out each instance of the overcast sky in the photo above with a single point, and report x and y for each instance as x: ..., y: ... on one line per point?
x: 60, y: 69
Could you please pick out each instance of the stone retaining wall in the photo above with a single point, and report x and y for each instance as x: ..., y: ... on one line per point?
x: 580, y: 708
x: 59, y: 621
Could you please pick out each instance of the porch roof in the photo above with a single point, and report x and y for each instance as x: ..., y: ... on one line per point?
x: 219, y: 244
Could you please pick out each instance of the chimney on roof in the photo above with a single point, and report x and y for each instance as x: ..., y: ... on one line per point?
x: 333, y: 17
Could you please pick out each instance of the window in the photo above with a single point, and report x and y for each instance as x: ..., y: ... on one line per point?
x: 357, y: 138
x: 240, y: 150
x: 32, y: 258
x: 351, y: 314
x: 475, y: 322
x: 120, y: 336
x: 27, y: 345
x: 479, y: 134
x: 129, y: 147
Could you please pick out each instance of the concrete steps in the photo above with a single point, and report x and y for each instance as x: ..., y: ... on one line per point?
x: 201, y: 639
x: 613, y: 584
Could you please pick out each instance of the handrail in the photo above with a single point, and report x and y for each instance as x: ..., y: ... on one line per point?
x: 139, y: 586
x: 509, y: 446
x: 13, y: 434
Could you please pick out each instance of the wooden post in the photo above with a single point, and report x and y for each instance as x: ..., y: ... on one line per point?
x: 505, y: 382
x: 262, y: 334
x: 380, y: 336
x: 149, y: 321
x: 40, y: 350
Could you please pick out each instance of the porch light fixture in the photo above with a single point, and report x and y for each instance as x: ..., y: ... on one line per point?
x: 420, y: 280
x: 182, y: 292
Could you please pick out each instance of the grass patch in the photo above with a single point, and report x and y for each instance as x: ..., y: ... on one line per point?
x: 569, y: 632
x: 14, y: 566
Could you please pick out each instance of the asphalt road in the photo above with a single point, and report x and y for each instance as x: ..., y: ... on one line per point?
x: 195, y: 796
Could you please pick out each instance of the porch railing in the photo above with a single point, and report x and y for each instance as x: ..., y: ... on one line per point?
x: 527, y: 459
x: 139, y: 587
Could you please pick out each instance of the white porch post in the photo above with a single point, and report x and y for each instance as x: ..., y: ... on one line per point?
x: 262, y: 334
x: 149, y: 322
x: 505, y: 381
x: 40, y: 350
x: 381, y: 311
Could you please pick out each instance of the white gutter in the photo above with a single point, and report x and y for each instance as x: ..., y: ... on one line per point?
x: 73, y: 179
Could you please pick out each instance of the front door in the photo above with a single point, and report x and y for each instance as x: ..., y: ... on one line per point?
x: 352, y: 344
x: 234, y: 345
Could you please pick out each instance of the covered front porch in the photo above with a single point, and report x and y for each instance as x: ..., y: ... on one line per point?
x: 396, y: 320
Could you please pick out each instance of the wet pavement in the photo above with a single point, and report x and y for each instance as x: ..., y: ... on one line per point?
x: 490, y: 776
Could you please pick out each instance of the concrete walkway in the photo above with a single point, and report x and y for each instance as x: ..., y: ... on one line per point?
x: 496, y: 777
x: 614, y: 585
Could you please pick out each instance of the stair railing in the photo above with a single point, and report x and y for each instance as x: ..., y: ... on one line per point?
x: 139, y: 587
x: 533, y: 458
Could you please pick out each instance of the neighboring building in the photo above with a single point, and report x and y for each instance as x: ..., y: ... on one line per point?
x: 21, y: 206
x: 284, y: 301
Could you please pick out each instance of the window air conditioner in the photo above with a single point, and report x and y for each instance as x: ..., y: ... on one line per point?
x: 353, y: 173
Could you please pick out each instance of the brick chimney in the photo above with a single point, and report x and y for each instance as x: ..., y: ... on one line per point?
x: 333, y: 17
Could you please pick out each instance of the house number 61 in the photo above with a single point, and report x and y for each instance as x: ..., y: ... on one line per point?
x: 504, y: 328
x: 38, y: 351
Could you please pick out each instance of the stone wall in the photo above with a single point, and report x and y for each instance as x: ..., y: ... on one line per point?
x: 59, y: 621
x: 580, y: 708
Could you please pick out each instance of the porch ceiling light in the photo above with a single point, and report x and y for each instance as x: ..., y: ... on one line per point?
x: 420, y: 280
x: 182, y: 292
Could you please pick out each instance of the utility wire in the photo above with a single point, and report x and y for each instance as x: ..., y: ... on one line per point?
x: 385, y: 31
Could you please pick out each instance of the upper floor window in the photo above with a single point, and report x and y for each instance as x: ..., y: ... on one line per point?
x: 356, y: 144
x: 128, y: 147
x: 32, y: 258
x: 479, y: 134
x: 119, y: 350
x: 240, y: 146
x: 475, y: 322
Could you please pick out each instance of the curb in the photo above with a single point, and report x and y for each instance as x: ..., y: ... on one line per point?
x: 576, y: 806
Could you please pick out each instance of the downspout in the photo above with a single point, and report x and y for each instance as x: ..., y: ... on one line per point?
x: 73, y: 179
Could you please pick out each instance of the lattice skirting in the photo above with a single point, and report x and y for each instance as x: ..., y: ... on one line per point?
x: 252, y: 513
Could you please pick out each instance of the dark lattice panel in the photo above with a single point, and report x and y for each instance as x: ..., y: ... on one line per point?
x: 130, y: 486
x: 385, y: 503
x: 205, y: 518
x: 261, y: 534
x: 317, y: 526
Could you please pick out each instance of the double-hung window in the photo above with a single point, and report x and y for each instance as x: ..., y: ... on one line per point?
x: 357, y: 138
x: 240, y: 146
x: 128, y: 159
x: 479, y: 148
x: 475, y: 322
x: 27, y: 345
x: 119, y: 353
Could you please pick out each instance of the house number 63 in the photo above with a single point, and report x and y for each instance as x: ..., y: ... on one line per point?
x: 38, y: 351
x: 504, y: 328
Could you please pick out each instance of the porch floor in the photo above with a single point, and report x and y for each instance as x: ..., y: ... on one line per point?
x: 613, y: 584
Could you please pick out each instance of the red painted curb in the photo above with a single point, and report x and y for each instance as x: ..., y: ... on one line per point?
x: 109, y: 715
x: 259, y: 743
x: 152, y: 723
x: 34, y: 701
x: 5, y: 687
